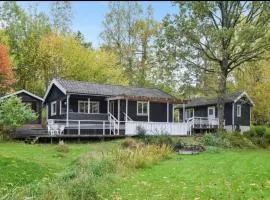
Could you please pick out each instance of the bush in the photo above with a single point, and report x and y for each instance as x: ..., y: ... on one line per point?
x: 141, y: 132
x: 215, y: 140
x: 259, y: 130
x: 62, y: 148
x: 238, y: 140
x: 13, y: 113
x: 129, y: 143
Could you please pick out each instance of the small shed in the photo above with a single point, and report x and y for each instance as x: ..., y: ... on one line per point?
x: 29, y: 98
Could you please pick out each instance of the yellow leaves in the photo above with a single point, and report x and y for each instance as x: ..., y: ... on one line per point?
x: 64, y: 56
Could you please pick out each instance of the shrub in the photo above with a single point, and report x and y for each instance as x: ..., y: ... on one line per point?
x: 259, y: 130
x: 238, y: 140
x: 141, y: 132
x: 215, y: 140
x: 62, y: 148
x: 13, y: 113
x: 129, y: 143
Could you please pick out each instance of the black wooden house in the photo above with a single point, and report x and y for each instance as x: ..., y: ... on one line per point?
x: 34, y: 101
x: 237, y: 111
x: 82, y: 103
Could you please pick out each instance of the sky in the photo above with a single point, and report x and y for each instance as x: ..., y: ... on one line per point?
x: 88, y: 16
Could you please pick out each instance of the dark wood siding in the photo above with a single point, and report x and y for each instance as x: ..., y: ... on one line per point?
x: 54, y: 95
x: 244, y: 120
x: 158, y: 111
x: 202, y: 111
x: 36, y: 105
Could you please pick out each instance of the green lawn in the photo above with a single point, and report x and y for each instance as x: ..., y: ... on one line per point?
x: 21, y: 163
x: 234, y: 174
x: 231, y: 174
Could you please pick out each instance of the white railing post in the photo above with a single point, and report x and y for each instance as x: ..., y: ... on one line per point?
x: 79, y: 128
x: 103, y: 127
x: 114, y: 127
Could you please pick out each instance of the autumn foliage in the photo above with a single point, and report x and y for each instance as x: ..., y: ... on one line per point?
x: 6, y: 73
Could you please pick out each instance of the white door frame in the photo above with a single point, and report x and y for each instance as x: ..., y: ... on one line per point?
x: 214, y: 112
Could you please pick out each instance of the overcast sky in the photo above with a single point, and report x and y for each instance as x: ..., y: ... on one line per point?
x: 88, y: 16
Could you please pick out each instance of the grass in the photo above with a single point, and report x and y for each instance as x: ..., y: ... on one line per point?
x: 238, y: 174
x: 23, y: 163
x: 81, y: 171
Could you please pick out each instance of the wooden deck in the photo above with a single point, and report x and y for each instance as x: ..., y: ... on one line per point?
x: 39, y: 134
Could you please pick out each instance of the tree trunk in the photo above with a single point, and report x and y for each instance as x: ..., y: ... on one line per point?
x: 221, y: 95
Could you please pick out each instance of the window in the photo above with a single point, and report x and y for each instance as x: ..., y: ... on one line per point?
x: 83, y: 106
x: 142, y: 108
x: 189, y: 113
x: 238, y: 110
x: 94, y: 107
x: 63, y: 106
x: 53, y: 108
x: 211, y: 112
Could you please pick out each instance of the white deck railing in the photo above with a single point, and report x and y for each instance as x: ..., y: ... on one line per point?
x: 157, y: 128
x: 203, y: 122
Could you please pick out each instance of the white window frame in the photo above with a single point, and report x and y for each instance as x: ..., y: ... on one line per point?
x: 142, y: 114
x: 239, y: 110
x: 214, y: 111
x: 80, y: 101
x: 52, y: 105
x: 98, y: 103
x: 60, y: 110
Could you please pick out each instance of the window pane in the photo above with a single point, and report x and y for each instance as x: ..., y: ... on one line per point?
x: 145, y: 108
x: 211, y: 112
x: 94, y: 107
x: 140, y: 108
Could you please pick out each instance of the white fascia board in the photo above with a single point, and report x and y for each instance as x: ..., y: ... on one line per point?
x: 22, y: 91
x: 58, y: 85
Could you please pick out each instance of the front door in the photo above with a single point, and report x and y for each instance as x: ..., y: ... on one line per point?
x: 212, y: 112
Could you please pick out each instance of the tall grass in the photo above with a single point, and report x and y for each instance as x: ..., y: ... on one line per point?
x: 94, y: 172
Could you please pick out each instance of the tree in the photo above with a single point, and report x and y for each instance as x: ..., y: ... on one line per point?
x: 144, y: 30
x: 61, y: 12
x: 24, y: 30
x: 117, y: 35
x: 55, y: 59
x: 255, y: 80
x: 226, y: 34
x: 6, y: 73
x: 79, y: 36
x: 13, y: 113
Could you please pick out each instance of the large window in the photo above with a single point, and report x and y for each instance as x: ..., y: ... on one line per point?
x: 238, y: 110
x: 142, y: 108
x: 93, y: 107
x: 83, y: 106
x: 53, y: 108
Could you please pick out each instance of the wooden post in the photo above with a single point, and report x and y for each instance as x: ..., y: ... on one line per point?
x: 148, y: 111
x: 108, y: 106
x: 79, y: 127
x: 232, y: 117
x: 126, y: 109
x: 184, y: 112
x: 118, y: 108
x: 168, y: 111
x: 103, y: 127
x: 88, y: 105
x: 67, y: 109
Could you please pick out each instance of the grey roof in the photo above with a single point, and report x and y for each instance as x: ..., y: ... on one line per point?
x: 79, y: 87
x: 212, y: 100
